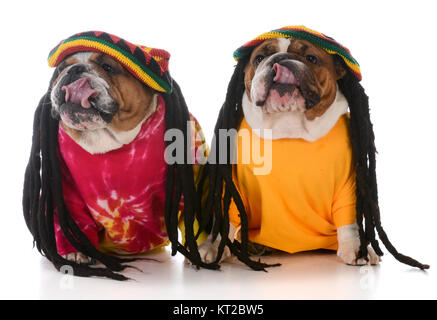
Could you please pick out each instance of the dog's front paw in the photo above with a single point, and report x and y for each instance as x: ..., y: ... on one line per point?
x: 79, y: 258
x: 348, y: 253
x: 349, y: 245
x: 208, y: 251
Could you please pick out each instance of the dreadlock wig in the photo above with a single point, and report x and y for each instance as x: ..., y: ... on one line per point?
x: 220, y: 174
x: 45, y: 210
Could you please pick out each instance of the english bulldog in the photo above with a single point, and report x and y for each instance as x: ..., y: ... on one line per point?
x: 101, y: 108
x: 106, y: 187
x: 294, y: 87
x: 291, y: 89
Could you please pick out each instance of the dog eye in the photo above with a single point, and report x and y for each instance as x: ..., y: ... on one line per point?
x: 61, y: 67
x: 311, y: 59
x: 258, y: 59
x: 107, y: 68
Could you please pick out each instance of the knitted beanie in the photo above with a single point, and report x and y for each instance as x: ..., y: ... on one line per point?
x: 301, y: 32
x: 148, y: 65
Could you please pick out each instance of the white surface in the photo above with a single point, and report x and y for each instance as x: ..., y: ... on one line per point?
x: 311, y: 275
x: 393, y: 42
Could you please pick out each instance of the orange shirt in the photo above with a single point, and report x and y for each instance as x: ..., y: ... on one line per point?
x: 308, y: 194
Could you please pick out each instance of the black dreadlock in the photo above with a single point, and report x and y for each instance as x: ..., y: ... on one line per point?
x: 362, y: 139
x: 180, y: 181
x: 363, y: 146
x: 42, y: 195
x: 221, y: 187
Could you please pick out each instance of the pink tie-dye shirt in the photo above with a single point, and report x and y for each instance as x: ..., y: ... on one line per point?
x: 117, y: 198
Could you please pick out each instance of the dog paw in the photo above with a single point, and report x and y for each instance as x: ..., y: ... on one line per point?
x: 349, y: 245
x: 348, y: 253
x: 208, y: 251
x: 79, y: 258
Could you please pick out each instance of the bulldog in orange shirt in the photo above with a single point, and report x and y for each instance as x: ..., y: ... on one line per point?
x: 299, y: 85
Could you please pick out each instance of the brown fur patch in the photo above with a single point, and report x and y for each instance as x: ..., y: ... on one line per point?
x: 266, y: 49
x: 133, y: 96
x: 73, y: 133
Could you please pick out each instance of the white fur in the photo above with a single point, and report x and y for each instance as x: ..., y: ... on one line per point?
x: 348, y: 245
x: 83, y: 57
x: 294, y: 124
x: 78, y: 257
x: 208, y: 249
x: 105, y: 139
x: 283, y: 44
x: 258, y: 89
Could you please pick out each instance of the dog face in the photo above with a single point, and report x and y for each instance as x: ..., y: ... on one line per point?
x: 292, y: 75
x: 94, y: 93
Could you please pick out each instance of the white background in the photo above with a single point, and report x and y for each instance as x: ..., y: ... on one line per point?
x: 394, y: 42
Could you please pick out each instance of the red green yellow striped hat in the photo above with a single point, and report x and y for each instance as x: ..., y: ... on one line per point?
x: 149, y: 65
x: 301, y: 32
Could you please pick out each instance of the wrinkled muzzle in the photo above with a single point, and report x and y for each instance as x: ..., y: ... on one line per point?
x: 282, y: 82
x: 81, y: 99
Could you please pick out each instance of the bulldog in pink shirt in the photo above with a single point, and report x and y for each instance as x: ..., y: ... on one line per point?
x: 100, y: 181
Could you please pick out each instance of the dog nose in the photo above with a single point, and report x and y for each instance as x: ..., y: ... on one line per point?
x: 284, y: 75
x: 79, y: 92
x: 77, y: 69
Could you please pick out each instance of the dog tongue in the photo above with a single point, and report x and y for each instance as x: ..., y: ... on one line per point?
x: 284, y: 75
x: 79, y: 92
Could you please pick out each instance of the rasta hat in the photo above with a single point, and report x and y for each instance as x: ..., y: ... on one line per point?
x: 300, y: 32
x: 148, y: 65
